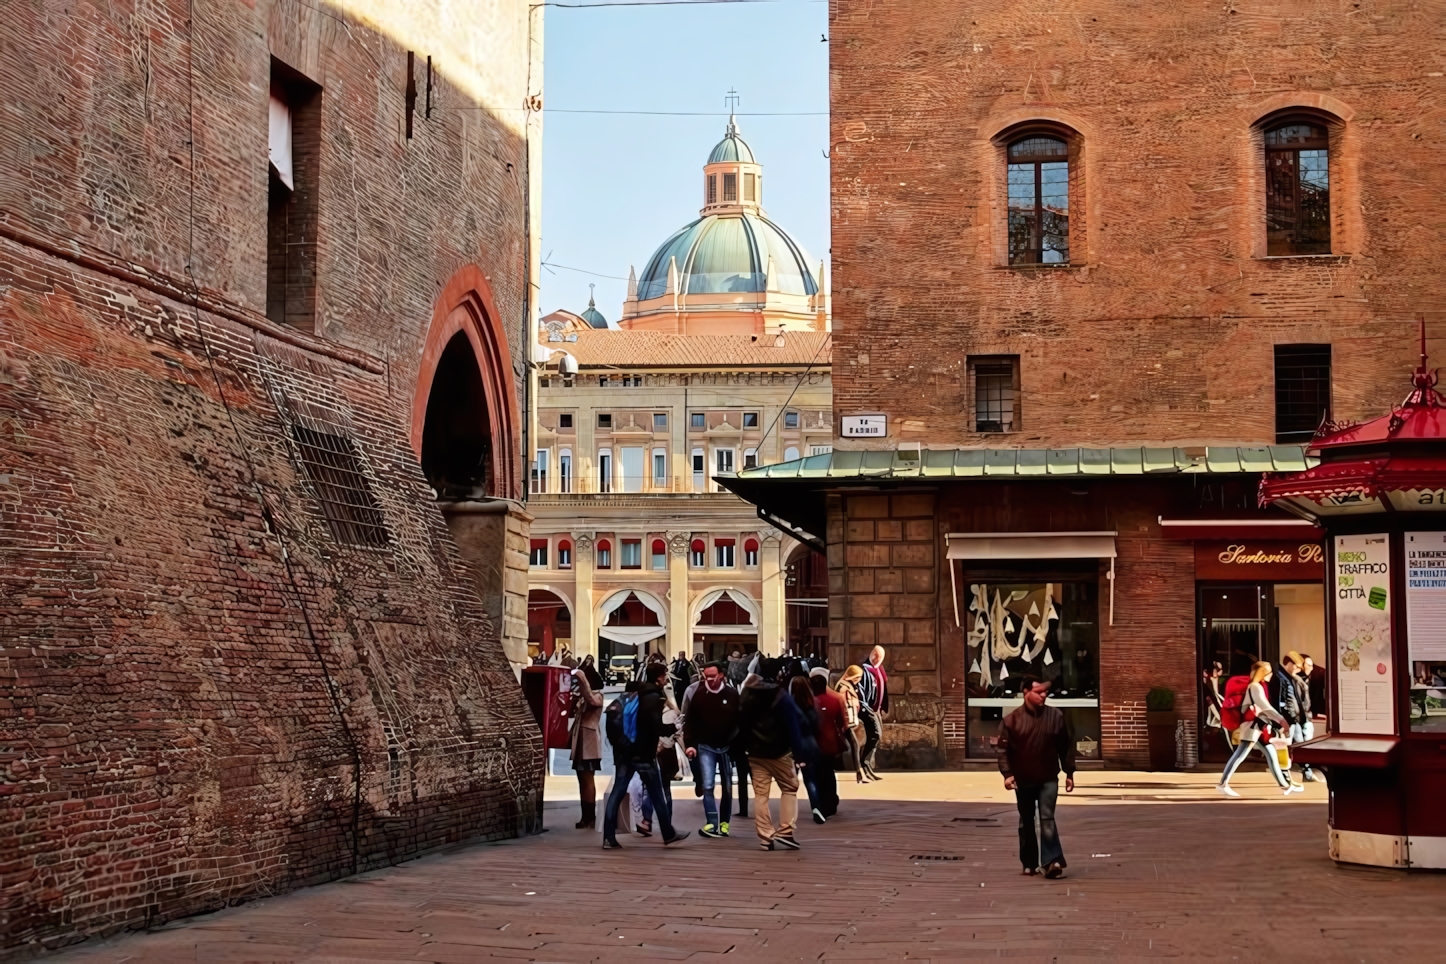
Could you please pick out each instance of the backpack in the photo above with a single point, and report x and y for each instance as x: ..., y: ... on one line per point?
x: 1230, y: 716
x: 630, y: 717
x: 615, y: 720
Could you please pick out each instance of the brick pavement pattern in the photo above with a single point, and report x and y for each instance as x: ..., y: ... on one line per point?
x: 1160, y: 866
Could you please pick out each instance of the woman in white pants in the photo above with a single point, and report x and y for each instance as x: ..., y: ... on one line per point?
x: 1248, y: 734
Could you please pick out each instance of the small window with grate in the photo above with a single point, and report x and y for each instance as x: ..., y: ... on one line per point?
x: 996, y: 392
x: 1302, y: 391
x: 334, y: 468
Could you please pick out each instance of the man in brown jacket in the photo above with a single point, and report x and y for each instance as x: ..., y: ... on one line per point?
x: 1034, y: 745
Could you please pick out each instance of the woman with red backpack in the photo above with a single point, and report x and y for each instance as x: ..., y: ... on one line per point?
x: 1255, y: 717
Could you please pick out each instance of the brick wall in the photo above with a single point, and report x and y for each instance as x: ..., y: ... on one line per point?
x: 206, y: 693
x: 1162, y: 327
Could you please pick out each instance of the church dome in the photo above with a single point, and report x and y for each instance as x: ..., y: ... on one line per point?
x: 731, y: 148
x: 592, y: 316
x: 724, y: 253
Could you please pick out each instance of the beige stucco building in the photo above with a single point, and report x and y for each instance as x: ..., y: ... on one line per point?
x: 722, y: 361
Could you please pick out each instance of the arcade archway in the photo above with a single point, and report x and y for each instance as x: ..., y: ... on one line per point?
x: 549, y: 624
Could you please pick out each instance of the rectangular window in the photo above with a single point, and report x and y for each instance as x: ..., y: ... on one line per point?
x: 539, y: 471
x: 996, y: 392
x: 605, y: 471
x: 660, y: 468
x: 790, y: 420
x: 723, y: 459
x: 604, y: 555
x: 660, y: 421
x: 334, y: 468
x: 750, y: 554
x: 632, y: 554
x: 294, y: 143
x: 730, y: 188
x: 564, y: 420
x: 723, y: 553
x: 632, y: 466
x: 538, y: 556
x: 820, y: 449
x: 660, y: 554
x: 750, y: 419
x: 698, y: 420
x: 698, y: 470
x: 604, y: 420
x: 1302, y: 391
x: 564, y: 555
x: 712, y: 188
x: 748, y: 182
x: 697, y: 554
x: 602, y: 381
x: 750, y: 458
x: 564, y: 471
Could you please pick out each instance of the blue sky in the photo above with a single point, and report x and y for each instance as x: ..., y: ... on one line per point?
x: 616, y: 185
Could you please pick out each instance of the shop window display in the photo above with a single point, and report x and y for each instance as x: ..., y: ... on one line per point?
x: 1046, y: 629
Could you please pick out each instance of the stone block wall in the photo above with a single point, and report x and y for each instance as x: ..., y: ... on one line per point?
x: 887, y: 563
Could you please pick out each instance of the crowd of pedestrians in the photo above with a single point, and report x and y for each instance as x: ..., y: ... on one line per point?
x: 756, y: 721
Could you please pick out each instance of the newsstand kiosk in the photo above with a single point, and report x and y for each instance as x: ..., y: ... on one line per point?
x: 1379, y: 491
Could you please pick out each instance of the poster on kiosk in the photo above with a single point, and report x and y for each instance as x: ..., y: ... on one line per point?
x: 1365, y: 679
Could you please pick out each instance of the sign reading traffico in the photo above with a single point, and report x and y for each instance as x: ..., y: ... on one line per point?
x: 865, y: 426
x: 1365, y: 678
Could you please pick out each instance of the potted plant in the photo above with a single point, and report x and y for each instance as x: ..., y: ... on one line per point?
x: 1160, y: 723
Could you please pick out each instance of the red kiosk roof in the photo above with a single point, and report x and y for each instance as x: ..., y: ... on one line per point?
x: 1371, y: 459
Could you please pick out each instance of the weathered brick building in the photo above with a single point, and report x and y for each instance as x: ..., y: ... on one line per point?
x: 263, y: 297
x: 1101, y: 266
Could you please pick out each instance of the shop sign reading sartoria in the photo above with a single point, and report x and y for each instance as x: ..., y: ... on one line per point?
x: 1268, y: 561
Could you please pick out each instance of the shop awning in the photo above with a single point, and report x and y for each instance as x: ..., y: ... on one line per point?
x: 1029, y: 545
x: 1244, y: 527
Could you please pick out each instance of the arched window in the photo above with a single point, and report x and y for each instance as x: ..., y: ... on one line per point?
x: 698, y: 554
x: 1039, y: 201
x: 790, y: 453
x: 604, y: 554
x: 1297, y: 189
x: 750, y: 553
x: 564, y: 555
x: 660, y: 554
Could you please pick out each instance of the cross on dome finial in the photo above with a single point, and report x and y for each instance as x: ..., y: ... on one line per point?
x: 731, y: 99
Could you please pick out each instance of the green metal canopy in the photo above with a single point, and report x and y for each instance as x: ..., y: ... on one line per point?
x: 788, y: 495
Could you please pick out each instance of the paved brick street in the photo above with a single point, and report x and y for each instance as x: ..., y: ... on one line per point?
x: 920, y: 866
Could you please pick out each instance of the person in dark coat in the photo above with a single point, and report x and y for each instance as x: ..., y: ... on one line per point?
x: 638, y: 754
x: 710, y: 725
x: 768, y: 727
x: 1034, y: 745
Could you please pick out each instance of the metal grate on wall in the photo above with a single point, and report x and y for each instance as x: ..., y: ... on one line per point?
x: 334, y: 468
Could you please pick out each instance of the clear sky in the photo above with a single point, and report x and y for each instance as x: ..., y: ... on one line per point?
x: 616, y: 185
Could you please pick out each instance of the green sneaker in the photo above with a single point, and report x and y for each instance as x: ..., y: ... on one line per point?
x: 710, y: 830
x: 724, y: 828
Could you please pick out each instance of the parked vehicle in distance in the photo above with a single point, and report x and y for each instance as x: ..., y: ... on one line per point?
x: 621, y: 668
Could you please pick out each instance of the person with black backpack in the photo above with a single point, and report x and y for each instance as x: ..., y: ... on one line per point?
x: 634, y: 726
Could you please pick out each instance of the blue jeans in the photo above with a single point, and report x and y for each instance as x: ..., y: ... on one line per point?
x: 647, y: 771
x: 1299, y: 733
x: 1041, y: 851
x: 1242, y: 750
x: 716, y: 768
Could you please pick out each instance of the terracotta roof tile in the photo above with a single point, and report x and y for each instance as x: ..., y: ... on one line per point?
x: 654, y: 349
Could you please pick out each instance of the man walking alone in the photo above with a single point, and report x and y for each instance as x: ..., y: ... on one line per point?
x: 634, y: 728
x: 1034, y: 745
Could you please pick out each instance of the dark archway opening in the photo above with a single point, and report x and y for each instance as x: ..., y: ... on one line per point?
x: 457, y: 436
